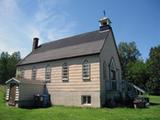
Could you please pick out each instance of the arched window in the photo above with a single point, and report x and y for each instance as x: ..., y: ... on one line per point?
x: 86, y: 70
x: 34, y: 72
x: 48, y: 73
x: 65, y: 72
x: 112, y: 68
x: 113, y: 78
x: 104, y: 70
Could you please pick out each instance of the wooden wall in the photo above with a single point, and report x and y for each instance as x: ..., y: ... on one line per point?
x: 108, y: 52
x: 75, y: 74
x: 75, y: 83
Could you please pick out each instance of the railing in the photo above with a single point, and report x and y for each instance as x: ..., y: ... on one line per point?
x: 121, y: 85
x: 124, y: 87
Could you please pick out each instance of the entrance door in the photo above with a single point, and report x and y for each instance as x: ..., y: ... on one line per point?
x: 12, y: 94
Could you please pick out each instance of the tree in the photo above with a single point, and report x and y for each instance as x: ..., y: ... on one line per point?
x: 3, y: 66
x: 154, y: 70
x: 128, y: 53
x: 137, y: 73
x: 8, y: 65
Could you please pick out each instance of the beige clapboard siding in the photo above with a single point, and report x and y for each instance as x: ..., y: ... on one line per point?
x: 17, y: 94
x: 76, y: 82
x: 74, y: 85
x: 56, y: 74
x: 40, y: 74
x: 89, y: 87
x: 7, y: 93
x: 77, y: 89
x: 73, y: 90
x: 27, y: 73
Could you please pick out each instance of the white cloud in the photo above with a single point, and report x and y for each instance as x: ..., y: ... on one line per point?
x: 18, y: 26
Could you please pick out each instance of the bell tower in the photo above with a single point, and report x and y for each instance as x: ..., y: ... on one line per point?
x: 105, y: 23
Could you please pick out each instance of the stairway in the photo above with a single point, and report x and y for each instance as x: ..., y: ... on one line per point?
x: 133, y: 90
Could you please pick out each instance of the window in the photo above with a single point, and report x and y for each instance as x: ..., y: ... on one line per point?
x: 22, y: 73
x: 86, y: 99
x: 104, y: 71
x: 48, y: 73
x: 65, y: 72
x: 86, y: 70
x: 34, y: 73
x: 118, y: 74
x: 113, y: 76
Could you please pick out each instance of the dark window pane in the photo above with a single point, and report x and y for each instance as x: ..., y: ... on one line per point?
x: 89, y: 100
x: 65, y: 72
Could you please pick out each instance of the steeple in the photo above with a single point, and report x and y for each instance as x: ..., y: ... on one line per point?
x: 105, y: 23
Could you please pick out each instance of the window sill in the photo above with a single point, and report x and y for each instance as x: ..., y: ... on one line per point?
x: 65, y: 81
x: 86, y: 79
x: 86, y: 104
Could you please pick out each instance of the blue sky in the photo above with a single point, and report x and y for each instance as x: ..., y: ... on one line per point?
x: 132, y: 20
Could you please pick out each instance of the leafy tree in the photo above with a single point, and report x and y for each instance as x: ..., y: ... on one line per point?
x: 8, y: 65
x: 128, y: 53
x: 144, y: 74
x: 137, y: 73
x: 154, y: 70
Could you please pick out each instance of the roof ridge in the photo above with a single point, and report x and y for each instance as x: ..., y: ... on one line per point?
x: 67, y: 46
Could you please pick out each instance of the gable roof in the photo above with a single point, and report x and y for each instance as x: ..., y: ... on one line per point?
x: 79, y: 45
x: 24, y: 81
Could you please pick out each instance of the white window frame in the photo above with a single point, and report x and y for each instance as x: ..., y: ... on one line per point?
x: 86, y: 70
x: 87, y: 101
x: 65, y: 72
x: 48, y: 73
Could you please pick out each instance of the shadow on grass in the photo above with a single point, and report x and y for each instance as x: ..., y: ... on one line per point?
x: 154, y: 104
x: 35, y: 107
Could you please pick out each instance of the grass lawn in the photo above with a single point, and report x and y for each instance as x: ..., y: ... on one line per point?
x: 74, y: 113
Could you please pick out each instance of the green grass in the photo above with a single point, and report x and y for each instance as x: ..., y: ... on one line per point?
x: 75, y: 113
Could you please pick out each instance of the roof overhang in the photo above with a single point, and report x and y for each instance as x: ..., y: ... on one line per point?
x: 21, y: 64
x: 12, y: 80
x: 23, y: 81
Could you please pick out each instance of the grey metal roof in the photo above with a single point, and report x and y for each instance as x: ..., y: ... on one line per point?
x: 79, y: 45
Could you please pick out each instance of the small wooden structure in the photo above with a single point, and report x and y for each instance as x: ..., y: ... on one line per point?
x: 20, y: 92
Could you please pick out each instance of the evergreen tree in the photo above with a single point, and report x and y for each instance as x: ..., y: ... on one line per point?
x: 8, y: 65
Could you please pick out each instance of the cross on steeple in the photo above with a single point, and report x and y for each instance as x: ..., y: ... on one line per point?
x: 104, y: 13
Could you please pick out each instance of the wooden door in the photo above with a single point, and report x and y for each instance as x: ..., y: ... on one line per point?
x: 12, y: 94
